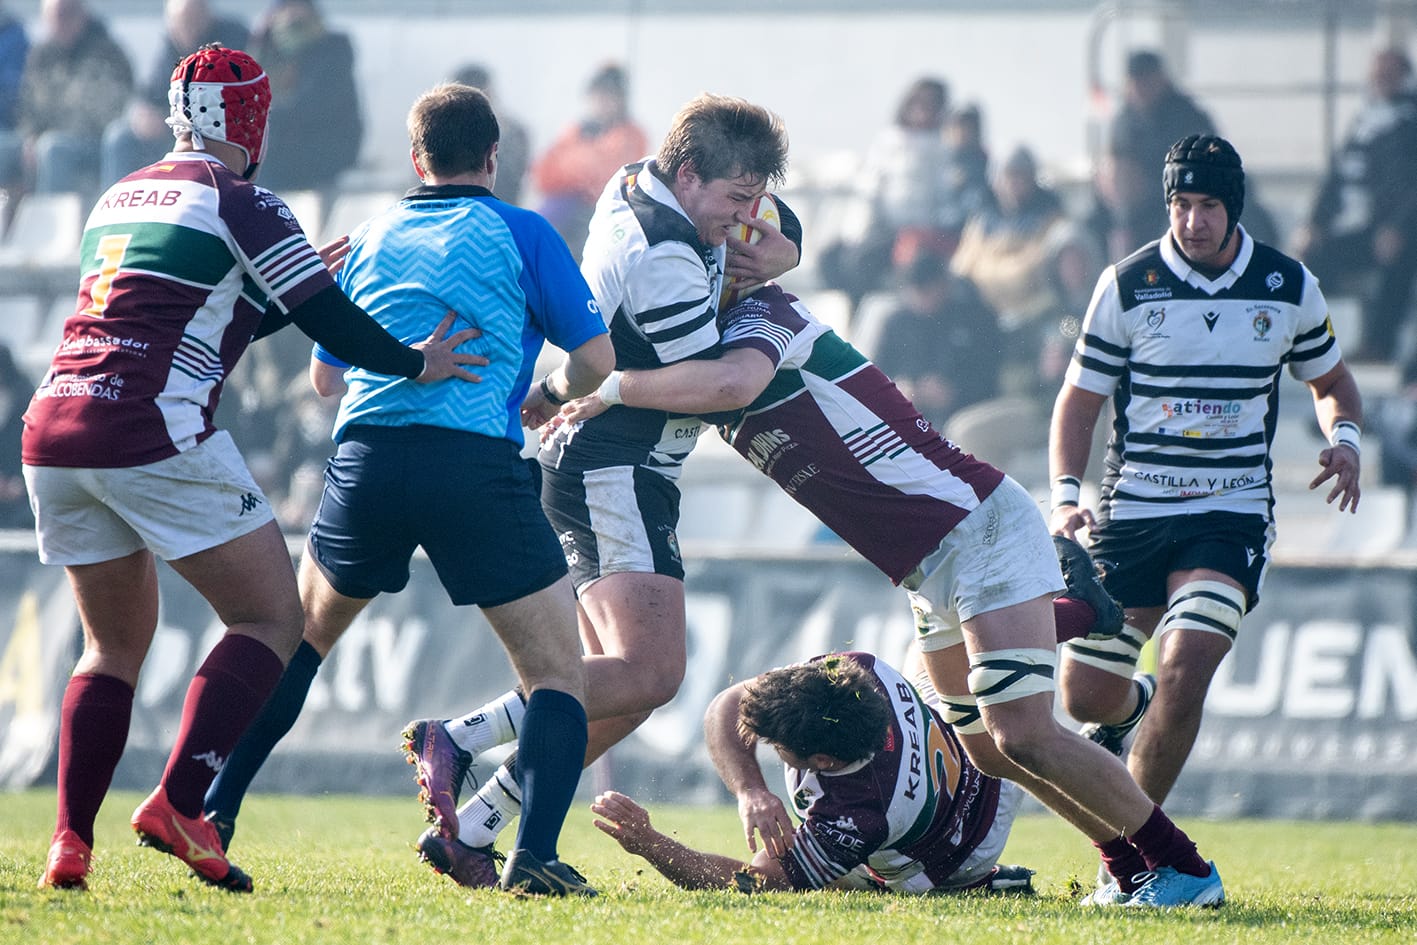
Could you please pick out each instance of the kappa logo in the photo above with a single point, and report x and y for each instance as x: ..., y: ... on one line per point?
x: 211, y: 759
x: 249, y: 502
x: 844, y: 823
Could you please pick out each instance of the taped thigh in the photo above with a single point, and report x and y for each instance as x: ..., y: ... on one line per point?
x: 1005, y: 675
x: 1116, y: 655
x: 1208, y: 606
x: 961, y: 712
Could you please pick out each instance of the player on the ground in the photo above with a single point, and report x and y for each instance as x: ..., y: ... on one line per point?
x: 886, y: 795
x: 1188, y: 337
x: 183, y: 263
x: 442, y: 469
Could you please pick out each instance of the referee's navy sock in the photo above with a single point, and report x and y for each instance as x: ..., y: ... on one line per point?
x: 550, y: 755
x: 229, y: 788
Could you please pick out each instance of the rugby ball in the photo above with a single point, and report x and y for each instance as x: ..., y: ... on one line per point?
x: 765, y: 209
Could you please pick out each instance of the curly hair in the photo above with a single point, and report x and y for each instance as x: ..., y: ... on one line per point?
x: 829, y: 706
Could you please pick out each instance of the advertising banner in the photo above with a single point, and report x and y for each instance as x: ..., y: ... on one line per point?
x: 1311, y: 716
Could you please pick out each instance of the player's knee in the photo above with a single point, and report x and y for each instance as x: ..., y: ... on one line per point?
x: 1096, y: 675
x: 998, y: 677
x: 657, y: 684
x: 1095, y: 702
x: 1205, y: 607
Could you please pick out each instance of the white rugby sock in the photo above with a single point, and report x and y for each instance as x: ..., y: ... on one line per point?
x: 490, y: 810
x: 490, y: 725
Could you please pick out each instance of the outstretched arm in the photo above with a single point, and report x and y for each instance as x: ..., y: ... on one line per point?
x: 629, y: 824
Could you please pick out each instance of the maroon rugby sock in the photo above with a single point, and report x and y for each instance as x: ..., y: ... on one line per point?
x: 1074, y: 618
x: 228, y: 690
x: 1162, y: 843
x: 1122, y: 861
x: 93, y: 728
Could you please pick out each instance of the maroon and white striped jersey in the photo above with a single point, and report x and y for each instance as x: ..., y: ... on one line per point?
x: 179, y: 261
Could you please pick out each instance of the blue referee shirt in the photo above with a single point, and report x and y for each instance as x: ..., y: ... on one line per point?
x: 500, y: 268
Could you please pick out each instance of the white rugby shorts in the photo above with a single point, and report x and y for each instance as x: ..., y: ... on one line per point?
x: 1001, y: 554
x: 199, y: 499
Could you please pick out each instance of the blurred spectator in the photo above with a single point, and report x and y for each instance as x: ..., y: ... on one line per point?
x: 76, y: 80
x: 514, y: 145
x: 942, y: 345
x: 967, y: 161
x: 920, y: 192
x: 1125, y: 196
x: 571, y: 173
x: 14, y: 48
x: 1362, y: 233
x: 15, y: 391
x: 1034, y: 266
x: 1155, y: 114
x: 315, y: 110
x: 141, y: 136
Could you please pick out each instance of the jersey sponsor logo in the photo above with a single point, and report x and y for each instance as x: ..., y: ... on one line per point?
x: 799, y: 478
x: 764, y: 445
x: 91, y: 343
x: 139, y: 197
x: 99, y: 386
x: 1151, y: 295
x: 1274, y: 281
x: 1172, y: 409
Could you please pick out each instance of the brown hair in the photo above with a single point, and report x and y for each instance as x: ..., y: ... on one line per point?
x: 452, y: 128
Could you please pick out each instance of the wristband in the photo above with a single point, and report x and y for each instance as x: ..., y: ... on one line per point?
x: 1067, y: 490
x: 549, y: 394
x: 609, y: 391
x: 1346, y: 433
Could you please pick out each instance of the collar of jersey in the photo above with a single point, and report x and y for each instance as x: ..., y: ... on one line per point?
x: 1184, y: 271
x: 444, y: 191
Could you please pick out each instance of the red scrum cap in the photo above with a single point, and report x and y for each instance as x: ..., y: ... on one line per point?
x: 223, y: 95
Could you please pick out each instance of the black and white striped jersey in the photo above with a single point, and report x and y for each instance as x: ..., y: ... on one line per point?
x: 1192, y: 366
x: 657, y: 285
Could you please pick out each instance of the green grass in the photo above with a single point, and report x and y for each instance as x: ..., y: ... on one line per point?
x: 341, y: 870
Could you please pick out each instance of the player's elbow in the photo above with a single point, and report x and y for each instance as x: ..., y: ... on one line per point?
x: 590, y: 364
x: 327, y: 380
x: 736, y: 390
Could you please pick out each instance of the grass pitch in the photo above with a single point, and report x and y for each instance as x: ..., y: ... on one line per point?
x: 342, y: 870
